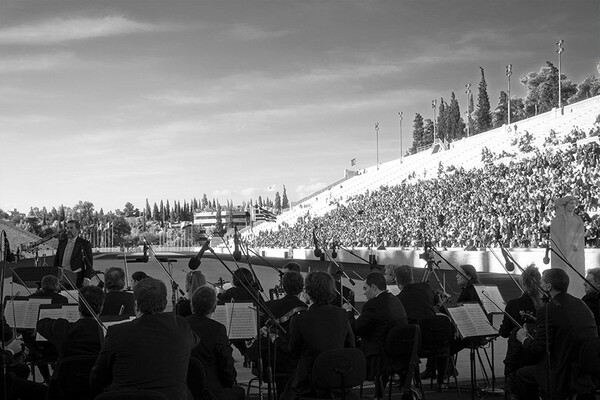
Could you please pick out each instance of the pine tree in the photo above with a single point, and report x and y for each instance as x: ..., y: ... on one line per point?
x: 204, y: 204
x: 155, y: 213
x: 456, y: 126
x: 427, y: 133
x: 147, y: 211
x: 483, y: 118
x: 500, y: 116
x: 285, y: 203
x: 277, y: 202
x: 168, y: 212
x: 442, y: 121
x: 219, y: 224
x: 418, y: 132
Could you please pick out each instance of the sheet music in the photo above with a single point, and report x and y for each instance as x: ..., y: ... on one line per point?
x: 15, y: 311
x: 31, y: 315
x: 70, y: 312
x: 471, y: 321
x: 220, y: 315
x: 494, y: 294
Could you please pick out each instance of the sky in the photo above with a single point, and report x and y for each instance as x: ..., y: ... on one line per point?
x: 116, y: 101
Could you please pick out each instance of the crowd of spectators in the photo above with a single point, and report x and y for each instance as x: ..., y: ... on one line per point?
x: 509, y: 202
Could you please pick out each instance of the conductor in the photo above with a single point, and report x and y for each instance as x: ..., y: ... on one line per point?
x: 75, y: 254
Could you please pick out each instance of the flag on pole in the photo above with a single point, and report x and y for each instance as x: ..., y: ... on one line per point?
x: 262, y: 214
x: 353, y: 162
x: 271, y: 188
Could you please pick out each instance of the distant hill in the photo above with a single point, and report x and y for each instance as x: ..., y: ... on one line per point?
x: 17, y: 236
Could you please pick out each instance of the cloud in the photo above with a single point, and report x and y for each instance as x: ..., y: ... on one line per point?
x: 249, y: 32
x: 41, y: 62
x: 62, y: 30
x: 249, y: 192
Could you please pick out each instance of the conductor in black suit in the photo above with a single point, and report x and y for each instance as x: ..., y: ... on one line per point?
x: 117, y: 301
x: 570, y: 323
x: 151, y: 352
x: 380, y: 313
x: 214, y: 349
x: 75, y: 254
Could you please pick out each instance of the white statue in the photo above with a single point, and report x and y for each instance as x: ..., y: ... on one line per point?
x: 567, y: 234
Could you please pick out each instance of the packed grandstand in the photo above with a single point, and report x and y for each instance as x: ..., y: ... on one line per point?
x: 498, y: 186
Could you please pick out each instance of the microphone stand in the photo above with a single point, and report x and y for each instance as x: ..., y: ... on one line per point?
x: 126, y: 269
x: 340, y: 270
x: 3, y: 267
x: 507, y: 271
x: 276, y: 290
x: 174, y: 285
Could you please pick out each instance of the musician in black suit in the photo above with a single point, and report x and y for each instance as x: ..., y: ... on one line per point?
x: 347, y: 293
x: 570, y: 323
x: 82, y: 337
x: 466, y: 279
x: 117, y: 300
x: 417, y: 298
x: 519, y: 309
x: 380, y: 313
x: 75, y: 254
x: 284, y: 310
x: 151, y: 352
x: 214, y: 349
x: 323, y: 327
x: 591, y: 295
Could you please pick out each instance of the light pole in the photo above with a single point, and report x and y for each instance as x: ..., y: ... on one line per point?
x: 434, y: 106
x: 559, y: 51
x: 508, y: 74
x: 400, y: 117
x: 377, y: 136
x: 468, y: 92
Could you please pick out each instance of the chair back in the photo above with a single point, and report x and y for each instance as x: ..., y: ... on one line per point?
x: 196, y: 379
x: 589, y: 357
x: 436, y: 334
x: 401, y: 346
x: 132, y: 394
x: 339, y: 369
x: 73, y: 377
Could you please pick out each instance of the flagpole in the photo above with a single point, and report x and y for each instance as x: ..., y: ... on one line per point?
x: 377, y: 139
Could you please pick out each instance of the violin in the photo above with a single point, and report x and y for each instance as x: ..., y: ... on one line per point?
x: 529, y: 321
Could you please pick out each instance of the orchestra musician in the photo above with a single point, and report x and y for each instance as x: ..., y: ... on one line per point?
x: 136, y: 277
x: 380, y: 313
x: 347, y: 293
x: 151, y: 352
x: 417, y: 298
x: 306, y: 338
x: 591, y: 295
x: 570, y: 323
x: 466, y: 280
x: 193, y: 280
x: 49, y: 289
x: 117, y: 301
x: 214, y: 349
x: 520, y: 309
x: 75, y: 253
x: 284, y: 310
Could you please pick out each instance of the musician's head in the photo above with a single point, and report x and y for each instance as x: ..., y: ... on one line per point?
x: 470, y: 275
x: 193, y: 280
x: 531, y: 279
x: 555, y: 280
x: 593, y: 276
x: 293, y: 283
x: 73, y: 228
x: 403, y: 276
x: 137, y: 276
x: 241, y: 277
x: 204, y: 301
x: 374, y: 284
x: 319, y: 287
x: 388, y: 273
x: 94, y: 296
x: 150, y: 296
x: 49, y: 284
x: 291, y: 266
x: 114, y: 278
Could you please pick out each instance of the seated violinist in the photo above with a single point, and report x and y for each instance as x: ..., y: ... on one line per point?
x: 283, y: 310
x: 193, y: 280
x: 306, y: 333
x: 49, y: 289
x: 214, y: 349
x: 522, y: 310
x: 117, y: 300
